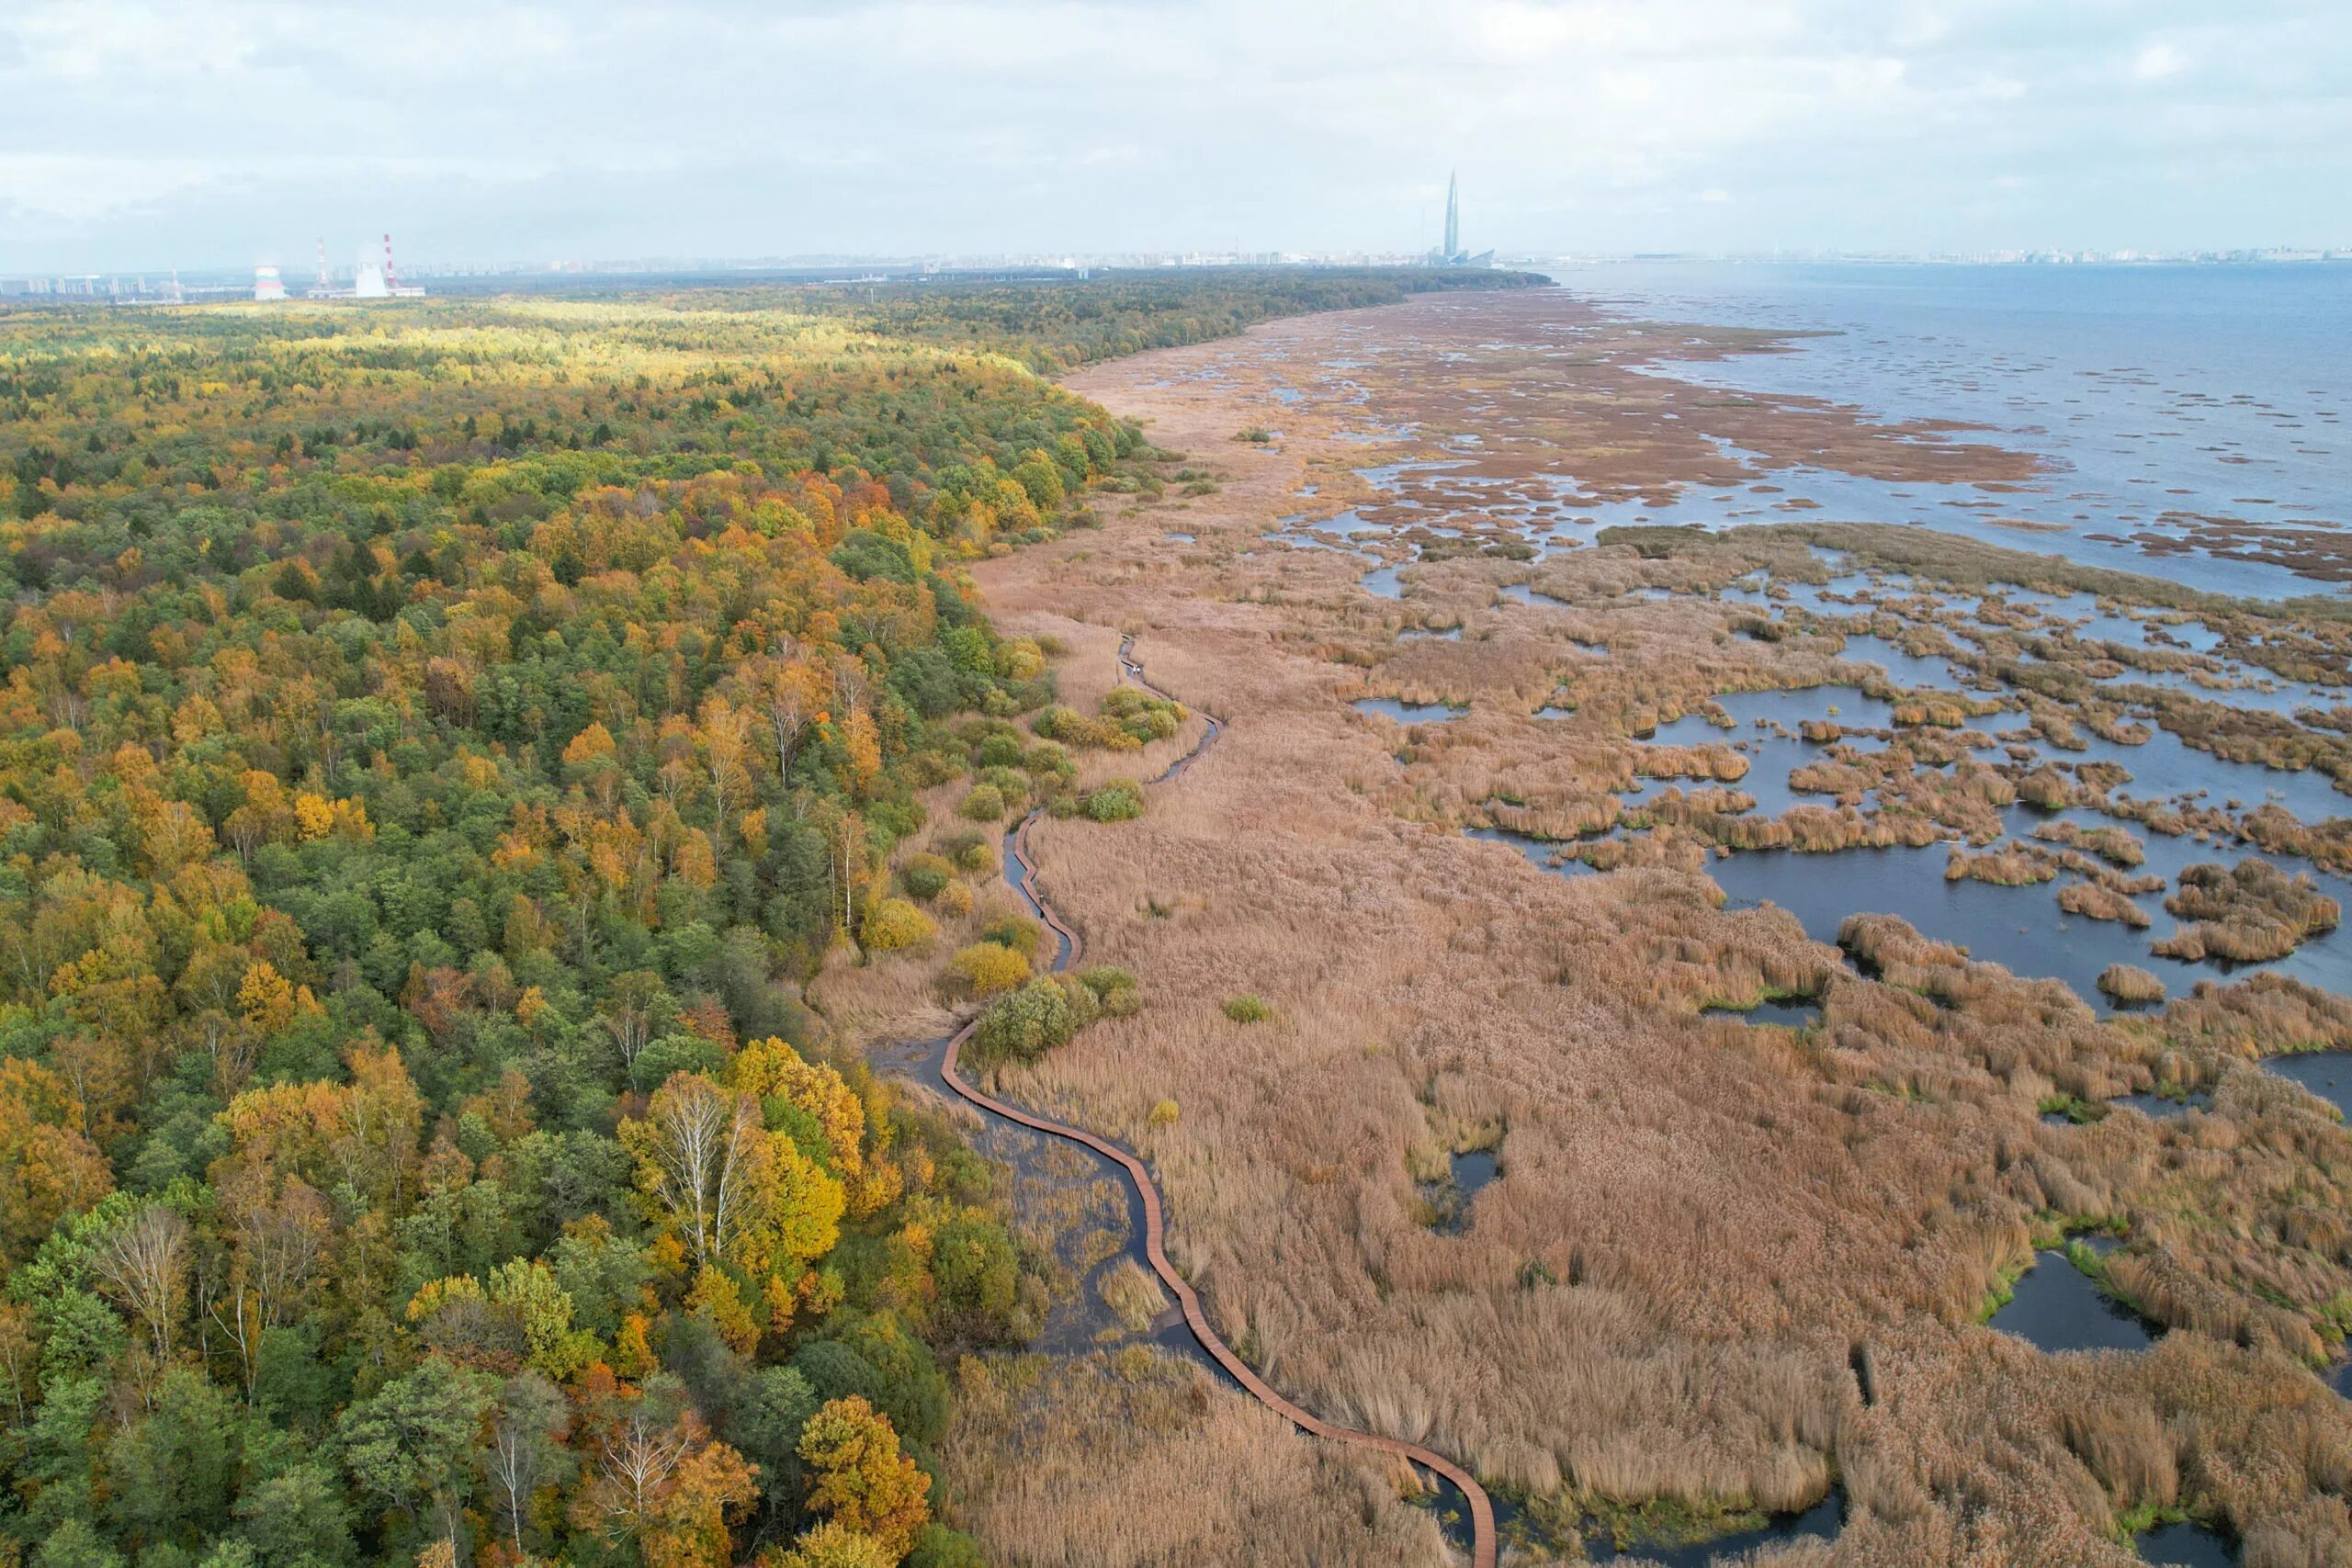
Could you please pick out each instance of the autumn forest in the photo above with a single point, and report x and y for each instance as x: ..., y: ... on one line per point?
x: 437, y: 745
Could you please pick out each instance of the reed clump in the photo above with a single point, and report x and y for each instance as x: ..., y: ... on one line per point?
x: 2246, y: 913
x: 2094, y: 901
x: 2327, y: 845
x: 2129, y: 983
x: 2114, y: 845
x: 2015, y: 865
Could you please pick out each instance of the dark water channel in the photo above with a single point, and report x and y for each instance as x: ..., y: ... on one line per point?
x: 1473, y: 1170
x: 1450, y: 1197
x: 1558, y: 859
x: 2022, y: 928
x: 1789, y: 1013
x: 1085, y: 1202
x: 1058, y: 1189
x: 1820, y: 1522
x: 2188, y: 1545
x: 1409, y: 713
x: 2055, y: 1306
x: 2327, y: 1073
x: 2162, y: 1107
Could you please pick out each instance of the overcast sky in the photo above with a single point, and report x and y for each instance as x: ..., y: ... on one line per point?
x: 227, y: 133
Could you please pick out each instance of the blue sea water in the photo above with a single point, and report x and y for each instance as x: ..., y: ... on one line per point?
x: 2152, y: 395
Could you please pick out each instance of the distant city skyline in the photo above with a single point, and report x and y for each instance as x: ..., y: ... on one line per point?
x: 269, y: 281
x: 154, y: 133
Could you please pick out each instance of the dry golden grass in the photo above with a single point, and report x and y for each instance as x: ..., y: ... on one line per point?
x: 1139, y: 1461
x: 1701, y: 1228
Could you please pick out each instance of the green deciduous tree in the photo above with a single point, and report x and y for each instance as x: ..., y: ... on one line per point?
x: 413, y: 1444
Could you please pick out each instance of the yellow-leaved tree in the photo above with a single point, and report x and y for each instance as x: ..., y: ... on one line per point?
x: 858, y: 1478
x: 812, y: 1101
x: 730, y: 1192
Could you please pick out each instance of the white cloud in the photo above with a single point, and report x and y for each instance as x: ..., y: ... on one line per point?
x: 2157, y: 62
x: 746, y: 127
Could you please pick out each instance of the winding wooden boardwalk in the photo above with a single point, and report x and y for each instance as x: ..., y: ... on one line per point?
x: 1482, y: 1509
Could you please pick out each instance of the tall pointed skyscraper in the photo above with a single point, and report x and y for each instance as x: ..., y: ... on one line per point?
x: 1453, y: 215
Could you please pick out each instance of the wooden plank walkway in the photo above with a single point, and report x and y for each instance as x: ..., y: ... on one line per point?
x: 1482, y: 1509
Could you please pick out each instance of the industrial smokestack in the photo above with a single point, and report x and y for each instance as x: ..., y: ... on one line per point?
x: 391, y: 277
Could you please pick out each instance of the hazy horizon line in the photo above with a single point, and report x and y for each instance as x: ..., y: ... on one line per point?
x: 1171, y: 259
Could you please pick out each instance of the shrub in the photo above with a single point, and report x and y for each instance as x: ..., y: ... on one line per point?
x: 1164, y: 1113
x: 969, y: 851
x: 1021, y: 659
x: 1024, y: 1024
x: 927, y: 876
x: 1001, y: 749
x: 940, y: 1547
x: 1246, y: 1008
x: 1085, y: 1006
x: 1141, y: 715
x: 987, y: 968
x: 1113, y: 987
x: 1066, y: 724
x: 1009, y: 783
x: 985, y: 803
x: 893, y: 923
x: 1048, y: 759
x: 1126, y: 719
x: 955, y: 899
x: 896, y: 819
x: 1121, y: 800
x: 829, y: 1544
x: 925, y: 769
x: 1016, y: 932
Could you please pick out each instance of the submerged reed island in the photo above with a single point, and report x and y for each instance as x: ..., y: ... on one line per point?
x: 1778, y: 1029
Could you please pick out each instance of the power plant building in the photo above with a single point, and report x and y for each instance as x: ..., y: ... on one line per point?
x: 372, y: 279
